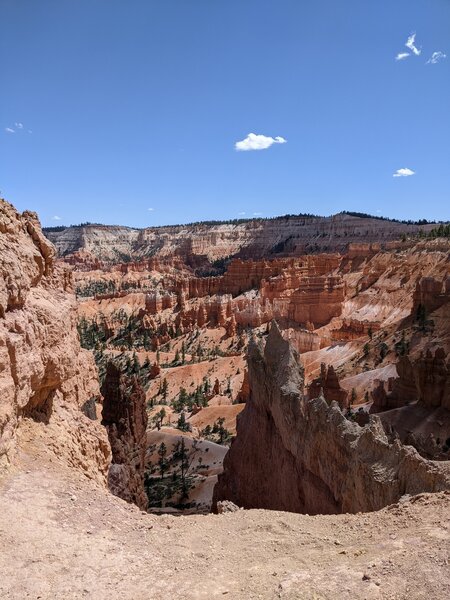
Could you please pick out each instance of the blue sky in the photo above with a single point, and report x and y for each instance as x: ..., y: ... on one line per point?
x: 136, y: 105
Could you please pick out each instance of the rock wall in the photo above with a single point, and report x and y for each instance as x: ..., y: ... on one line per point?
x: 125, y: 418
x: 305, y: 456
x: 257, y: 238
x: 45, y: 377
x: 431, y: 293
x: 426, y: 379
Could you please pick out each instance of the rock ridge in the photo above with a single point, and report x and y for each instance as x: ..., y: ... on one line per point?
x: 305, y: 456
x: 45, y: 376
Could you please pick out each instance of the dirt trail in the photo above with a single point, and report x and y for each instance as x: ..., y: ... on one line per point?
x: 63, y: 537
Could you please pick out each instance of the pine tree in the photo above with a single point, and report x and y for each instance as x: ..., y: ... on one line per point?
x: 162, y: 462
x: 135, y: 367
x: 182, y: 455
x: 164, y: 389
x: 181, y: 423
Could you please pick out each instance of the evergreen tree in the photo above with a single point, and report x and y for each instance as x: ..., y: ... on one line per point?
x: 181, y: 423
x: 135, y: 366
x: 181, y: 454
x: 162, y: 461
x: 164, y: 389
x: 159, y: 418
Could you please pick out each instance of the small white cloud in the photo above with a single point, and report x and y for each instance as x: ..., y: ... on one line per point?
x: 436, y: 57
x: 56, y: 218
x: 150, y: 209
x: 402, y: 55
x: 258, y: 142
x: 242, y: 213
x: 403, y: 173
x: 9, y: 130
x: 411, y: 44
x: 257, y: 214
x: 19, y: 125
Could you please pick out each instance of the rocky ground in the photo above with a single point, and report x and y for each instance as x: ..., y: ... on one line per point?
x: 62, y: 536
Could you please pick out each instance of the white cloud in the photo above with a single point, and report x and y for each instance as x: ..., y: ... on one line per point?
x: 411, y: 45
x: 402, y: 55
x: 257, y: 214
x: 403, y: 173
x: 150, y: 209
x: 9, y: 130
x: 19, y: 125
x: 258, y: 142
x: 242, y: 213
x: 436, y: 57
x: 56, y: 218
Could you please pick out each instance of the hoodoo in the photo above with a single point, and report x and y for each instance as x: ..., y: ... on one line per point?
x: 305, y: 456
x: 125, y: 418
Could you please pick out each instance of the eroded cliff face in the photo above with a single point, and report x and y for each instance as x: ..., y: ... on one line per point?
x: 45, y: 377
x: 125, y: 417
x: 199, y: 244
x: 305, y: 456
x: 425, y: 379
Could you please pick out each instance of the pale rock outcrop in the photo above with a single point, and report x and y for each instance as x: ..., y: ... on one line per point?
x: 45, y: 377
x: 305, y: 456
x: 256, y: 238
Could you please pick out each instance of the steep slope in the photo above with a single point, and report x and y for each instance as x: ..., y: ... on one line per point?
x: 46, y: 379
x: 305, y: 456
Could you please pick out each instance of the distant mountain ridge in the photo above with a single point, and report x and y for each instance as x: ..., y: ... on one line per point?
x: 59, y: 228
x: 202, y: 243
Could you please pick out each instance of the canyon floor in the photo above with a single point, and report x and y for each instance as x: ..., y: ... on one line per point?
x: 64, y: 537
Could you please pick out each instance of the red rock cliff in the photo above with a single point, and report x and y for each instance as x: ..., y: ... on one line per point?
x: 305, y: 456
x: 45, y: 377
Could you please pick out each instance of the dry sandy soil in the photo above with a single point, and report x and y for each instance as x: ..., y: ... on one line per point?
x: 64, y: 538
